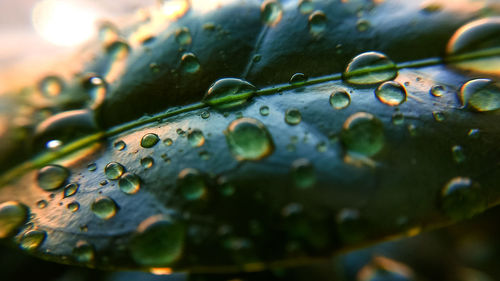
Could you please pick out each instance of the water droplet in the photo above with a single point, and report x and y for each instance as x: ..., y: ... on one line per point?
x: 264, y: 110
x: 52, y: 177
x: 370, y: 68
x: 92, y: 167
x: 107, y: 33
x: 120, y: 145
x: 204, y: 155
x: 363, y: 133
x: 12, y: 216
x: 168, y: 142
x: 205, y: 115
x: 225, y: 187
x: 398, y: 119
x: 256, y: 58
x: 229, y: 92
x: 83, y: 252
x: 412, y: 129
x: 196, y: 138
x: 113, y: 170
x: 317, y: 23
x: 159, y: 241
x: 474, y: 46
x: 362, y: 25
x: 96, y: 88
x: 191, y: 184
x: 147, y: 162
x: 480, y: 95
x: 473, y: 133
x: 271, y: 12
x: 73, y: 206
x: 306, y: 6
x: 438, y: 116
x: 391, y: 93
x: 190, y: 63
x: 155, y: 68
x: 298, y: 78
x: 42, y: 204
x: 458, y: 154
x: 129, y: 183
x: 321, y: 147
x: 149, y: 140
x: 70, y: 190
x: 293, y: 116
x: 461, y: 198
x: 303, y: 173
x: 31, y: 240
x: 248, y: 139
x: 51, y: 86
x: 438, y: 90
x: 340, y: 99
x: 183, y: 36
x: 118, y: 50
x: 104, y: 207
x: 181, y: 132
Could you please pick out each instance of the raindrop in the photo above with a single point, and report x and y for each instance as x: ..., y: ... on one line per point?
x: 52, y: 177
x: 149, y: 140
x: 264, y: 110
x: 306, y: 6
x: 70, y: 190
x: 303, y: 173
x: 147, y: 162
x: 391, y: 93
x: 248, y: 139
x: 370, y: 68
x: 83, y: 252
x: 183, y: 36
x: 196, y: 138
x: 31, y: 240
x: 271, y: 12
x: 73, y: 206
x: 104, y: 207
x: 168, y: 142
x: 129, y: 183
x: 92, y: 167
x: 113, y: 170
x: 191, y: 184
x: 473, y: 133
x: 462, y: 198
x: 438, y: 90
x: 42, y: 204
x: 438, y: 116
x: 340, y: 99
x: 480, y: 95
x: 317, y: 22
x: 228, y: 92
x: 120, y: 145
x: 363, y: 133
x: 190, y: 63
x: 293, y: 116
x: 298, y: 78
x: 51, y: 86
x: 12, y: 217
x: 205, y: 115
x: 362, y: 25
x: 159, y: 241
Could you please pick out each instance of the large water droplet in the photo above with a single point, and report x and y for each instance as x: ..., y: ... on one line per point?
x: 83, y: 252
x: 340, y: 99
x: 370, y: 68
x: 31, y: 240
x: 229, y: 92
x: 183, y: 36
x: 293, y: 116
x: 12, y: 216
x: 303, y: 173
x: 317, y: 23
x: 271, y: 12
x: 104, y: 207
x: 391, y: 93
x: 129, y: 183
x: 149, y: 140
x: 480, y: 95
x: 248, y: 139
x: 461, y: 198
x: 475, y: 46
x: 52, y: 177
x: 196, y: 138
x: 159, y: 241
x: 191, y: 184
x: 190, y: 63
x: 114, y: 170
x: 51, y: 86
x: 363, y: 134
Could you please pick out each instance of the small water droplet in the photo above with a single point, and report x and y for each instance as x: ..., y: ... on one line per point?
x: 303, y: 173
x: 70, y: 190
x: 293, y: 116
x: 205, y: 115
x: 190, y: 63
x: 42, y: 204
x: 155, y: 68
x: 12, y: 216
x: 104, y: 207
x: 438, y: 90
x: 391, y: 93
x: 32, y: 239
x: 196, y: 138
x: 129, y: 183
x: 462, y: 198
x: 51, y: 86
x: 91, y: 167
x: 83, y: 252
x: 52, y: 177
x: 118, y: 50
x: 113, y: 170
x: 340, y: 99
x: 298, y: 78
x: 248, y: 139
x: 412, y: 129
x: 363, y: 133
x: 183, y: 36
x: 147, y: 162
x: 438, y: 116
x: 229, y: 92
x: 73, y: 206
x: 480, y: 95
x: 168, y: 142
x: 370, y: 68
x: 204, y: 155
x: 191, y: 184
x: 96, y: 88
x: 159, y: 241
x: 317, y: 22
x: 225, y: 187
x: 398, y: 119
x: 256, y: 58
x: 362, y: 25
x: 306, y: 6
x: 264, y: 110
x: 149, y: 140
x: 458, y: 154
x: 181, y: 132
x: 321, y: 147
x: 120, y: 145
x: 271, y: 12
x: 473, y: 133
